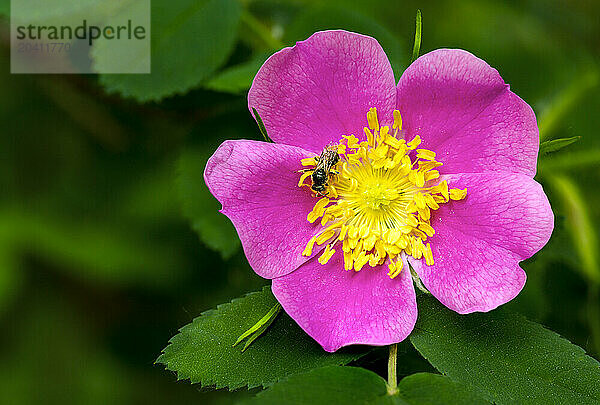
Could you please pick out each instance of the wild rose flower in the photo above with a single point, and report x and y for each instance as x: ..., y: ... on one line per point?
x: 435, y: 172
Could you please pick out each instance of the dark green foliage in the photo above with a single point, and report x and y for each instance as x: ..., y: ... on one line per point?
x: 190, y: 40
x: 511, y: 359
x: 201, y: 208
x: 203, y: 351
x: 351, y: 385
x: 434, y: 389
x: 236, y: 79
x: 325, y: 386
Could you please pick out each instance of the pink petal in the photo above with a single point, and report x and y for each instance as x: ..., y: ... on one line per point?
x: 463, y: 111
x: 257, y: 184
x: 479, y: 241
x: 312, y: 93
x: 339, y: 308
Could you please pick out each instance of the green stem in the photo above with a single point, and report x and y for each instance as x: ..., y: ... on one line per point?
x: 261, y: 31
x: 392, y: 384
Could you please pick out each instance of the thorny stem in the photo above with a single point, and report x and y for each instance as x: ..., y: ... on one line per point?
x: 392, y: 384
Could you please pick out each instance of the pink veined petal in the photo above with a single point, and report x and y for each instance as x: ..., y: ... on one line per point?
x: 479, y: 241
x: 463, y: 111
x: 339, y: 308
x: 312, y: 93
x: 257, y: 184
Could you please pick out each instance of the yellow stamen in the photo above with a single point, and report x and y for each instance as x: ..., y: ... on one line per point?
x: 372, y: 119
x: 348, y: 261
x: 395, y: 268
x: 369, y: 136
x: 428, y: 229
x: 397, y: 120
x: 458, y: 194
x: 303, y: 177
x: 352, y: 141
x: 425, y: 154
x: 396, y: 144
x: 379, y: 201
x: 360, y: 261
x: 428, y: 254
x: 309, y: 246
x: 308, y: 161
x: 412, y: 145
x: 325, y: 236
x: 327, y: 253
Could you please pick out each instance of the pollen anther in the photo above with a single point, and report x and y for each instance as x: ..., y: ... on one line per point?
x: 378, y: 204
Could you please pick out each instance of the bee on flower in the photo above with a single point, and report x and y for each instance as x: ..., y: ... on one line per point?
x: 324, y: 166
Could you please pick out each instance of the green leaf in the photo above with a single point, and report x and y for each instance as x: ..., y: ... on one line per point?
x: 56, y: 12
x: 203, y: 351
x: 326, y: 386
x: 579, y: 224
x: 190, y: 40
x: 5, y: 8
x: 352, y: 385
x: 417, y: 44
x: 510, y: 359
x: 201, y: 208
x: 432, y: 389
x: 236, y: 79
x: 557, y: 144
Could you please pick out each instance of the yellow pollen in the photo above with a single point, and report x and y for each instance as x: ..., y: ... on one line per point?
x: 378, y: 199
x: 308, y: 161
x: 397, y: 120
x: 327, y: 253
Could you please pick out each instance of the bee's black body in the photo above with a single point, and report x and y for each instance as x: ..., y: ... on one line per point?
x: 325, y: 163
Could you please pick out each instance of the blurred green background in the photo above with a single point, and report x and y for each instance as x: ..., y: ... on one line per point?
x: 109, y: 240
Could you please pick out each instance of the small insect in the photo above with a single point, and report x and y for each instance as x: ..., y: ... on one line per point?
x: 324, y: 169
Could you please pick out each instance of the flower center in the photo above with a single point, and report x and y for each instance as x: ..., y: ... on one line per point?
x: 376, y: 197
x: 378, y: 194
